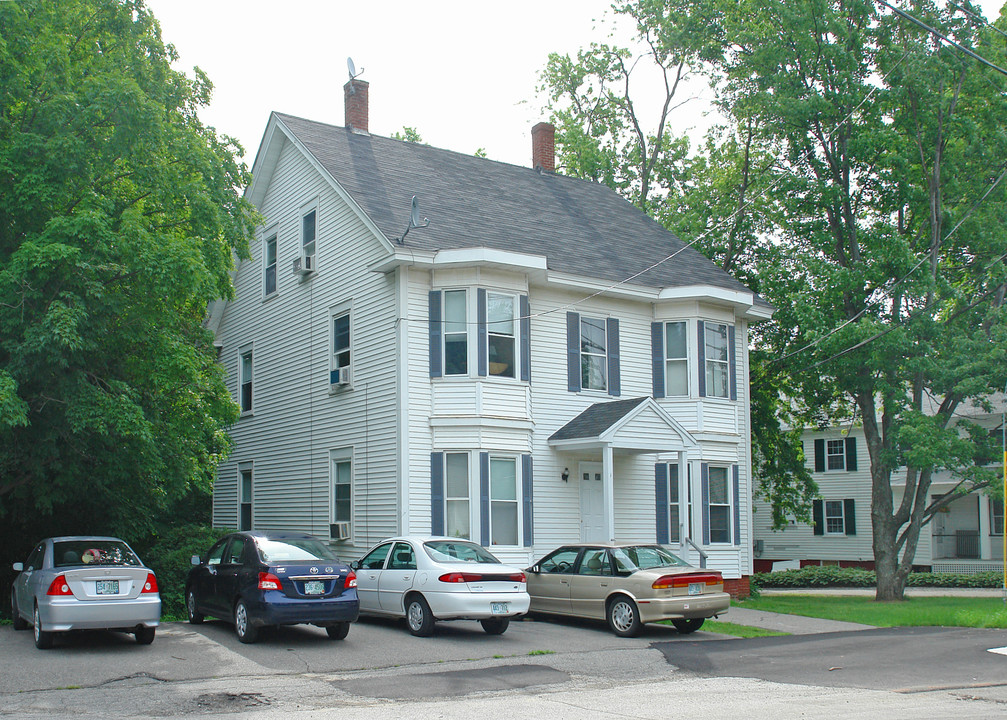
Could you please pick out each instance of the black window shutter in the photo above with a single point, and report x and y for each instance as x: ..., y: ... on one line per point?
x: 484, y: 499
x: 661, y: 500
x: 704, y: 474
x: 732, y: 362
x: 527, y: 485
x: 436, y: 493
x: 818, y: 513
x: 851, y: 455
x: 657, y: 357
x: 701, y: 331
x: 737, y: 504
x: 436, y: 366
x: 573, y: 351
x: 482, y: 364
x: 525, y: 329
x: 849, y: 516
x: 819, y: 455
x: 612, y: 331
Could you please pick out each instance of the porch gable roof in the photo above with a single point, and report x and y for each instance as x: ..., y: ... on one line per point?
x: 636, y: 425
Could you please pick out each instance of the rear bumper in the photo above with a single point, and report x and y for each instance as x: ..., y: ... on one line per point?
x: 275, y: 608
x: 475, y: 606
x: 62, y: 615
x: 696, y: 606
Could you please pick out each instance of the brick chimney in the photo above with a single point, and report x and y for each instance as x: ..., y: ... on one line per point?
x: 355, y: 101
x: 543, y: 147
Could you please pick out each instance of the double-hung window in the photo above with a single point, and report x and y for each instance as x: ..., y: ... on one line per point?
x: 245, y: 496
x: 504, y: 507
x: 457, y: 515
x: 456, y: 333
x: 339, y: 364
x: 676, y: 359
x: 996, y: 517
x: 501, y: 337
x: 309, y: 230
x: 719, y: 505
x: 717, y: 360
x: 835, y: 523
x: 593, y: 354
x: 835, y: 457
x: 834, y: 517
x: 245, y: 380
x: 269, y: 265
x: 341, y: 507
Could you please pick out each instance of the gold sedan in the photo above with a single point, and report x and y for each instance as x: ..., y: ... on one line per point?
x: 626, y: 585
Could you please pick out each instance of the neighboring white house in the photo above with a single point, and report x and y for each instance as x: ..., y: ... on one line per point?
x: 965, y: 536
x: 540, y: 363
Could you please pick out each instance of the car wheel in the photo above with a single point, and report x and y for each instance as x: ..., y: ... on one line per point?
x: 43, y: 639
x: 246, y: 631
x: 418, y: 617
x: 338, y: 631
x: 19, y: 622
x: 687, y: 626
x: 495, y: 626
x: 623, y: 617
x: 195, y: 617
x: 145, y: 635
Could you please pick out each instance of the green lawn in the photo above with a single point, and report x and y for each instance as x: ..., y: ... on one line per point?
x: 917, y: 611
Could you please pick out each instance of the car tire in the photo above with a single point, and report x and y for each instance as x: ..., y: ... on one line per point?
x: 337, y: 631
x: 495, y: 626
x: 145, y: 635
x: 43, y: 639
x: 418, y: 617
x: 243, y: 627
x: 191, y: 609
x: 624, y: 617
x: 686, y: 626
x: 19, y: 622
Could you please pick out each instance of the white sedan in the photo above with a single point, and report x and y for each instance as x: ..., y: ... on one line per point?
x: 425, y: 579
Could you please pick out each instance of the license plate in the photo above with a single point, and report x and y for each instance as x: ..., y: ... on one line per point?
x: 498, y: 608
x: 314, y: 587
x: 696, y: 588
x: 107, y: 587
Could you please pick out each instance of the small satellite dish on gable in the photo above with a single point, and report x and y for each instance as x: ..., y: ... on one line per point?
x: 351, y: 67
x: 414, y: 220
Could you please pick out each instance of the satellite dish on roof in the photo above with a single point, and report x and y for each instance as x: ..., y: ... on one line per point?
x: 351, y: 67
x: 414, y: 220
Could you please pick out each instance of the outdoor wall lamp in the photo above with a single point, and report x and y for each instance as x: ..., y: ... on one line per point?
x: 566, y: 475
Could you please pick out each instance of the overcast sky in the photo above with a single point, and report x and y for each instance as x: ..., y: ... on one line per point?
x: 462, y: 72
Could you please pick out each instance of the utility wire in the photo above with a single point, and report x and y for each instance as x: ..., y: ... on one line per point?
x: 982, y: 21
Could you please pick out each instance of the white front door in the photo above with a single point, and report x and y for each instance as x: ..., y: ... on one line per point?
x: 592, y: 503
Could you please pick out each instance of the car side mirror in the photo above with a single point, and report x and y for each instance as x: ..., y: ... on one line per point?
x: 534, y: 569
x: 355, y: 564
x: 18, y: 567
x: 194, y: 560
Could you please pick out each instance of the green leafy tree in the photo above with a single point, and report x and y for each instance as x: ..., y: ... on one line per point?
x: 409, y: 134
x: 119, y: 215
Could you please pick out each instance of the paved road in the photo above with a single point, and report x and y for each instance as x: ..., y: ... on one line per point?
x: 537, y: 669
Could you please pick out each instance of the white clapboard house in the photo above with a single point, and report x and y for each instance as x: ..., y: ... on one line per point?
x: 510, y: 363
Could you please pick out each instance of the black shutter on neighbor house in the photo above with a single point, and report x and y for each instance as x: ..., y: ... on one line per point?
x: 573, y: 351
x: 657, y: 358
x: 612, y: 333
x: 849, y: 516
x: 737, y: 504
x: 851, y: 456
x: 527, y: 485
x: 701, y: 345
x: 436, y: 493
x: 819, y: 455
x: 525, y: 329
x: 661, y: 500
x: 482, y: 363
x: 732, y: 362
x: 484, y: 499
x: 818, y: 513
x: 436, y: 330
x: 704, y: 474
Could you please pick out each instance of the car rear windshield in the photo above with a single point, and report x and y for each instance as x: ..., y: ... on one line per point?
x: 93, y: 552
x: 456, y: 551
x: 644, y: 557
x: 293, y: 550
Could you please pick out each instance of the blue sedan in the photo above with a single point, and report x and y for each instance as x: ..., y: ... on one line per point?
x: 257, y: 579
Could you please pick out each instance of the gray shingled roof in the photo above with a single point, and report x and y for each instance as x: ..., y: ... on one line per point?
x: 596, y: 419
x: 582, y: 228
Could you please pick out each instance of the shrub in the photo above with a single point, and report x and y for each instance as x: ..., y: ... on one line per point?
x: 814, y: 576
x: 169, y: 556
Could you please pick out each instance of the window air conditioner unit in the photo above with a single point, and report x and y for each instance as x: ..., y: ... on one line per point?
x: 304, y: 265
x: 339, y: 530
x: 340, y: 376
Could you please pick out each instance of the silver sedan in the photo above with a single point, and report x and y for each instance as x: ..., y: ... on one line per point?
x: 85, y: 583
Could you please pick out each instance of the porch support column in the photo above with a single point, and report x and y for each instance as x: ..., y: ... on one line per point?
x: 985, y: 540
x: 608, y: 491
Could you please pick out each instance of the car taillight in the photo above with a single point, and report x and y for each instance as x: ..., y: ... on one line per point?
x: 351, y: 580
x: 517, y: 577
x: 151, y: 585
x: 268, y: 581
x: 680, y: 581
x: 59, y: 587
x: 460, y: 577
